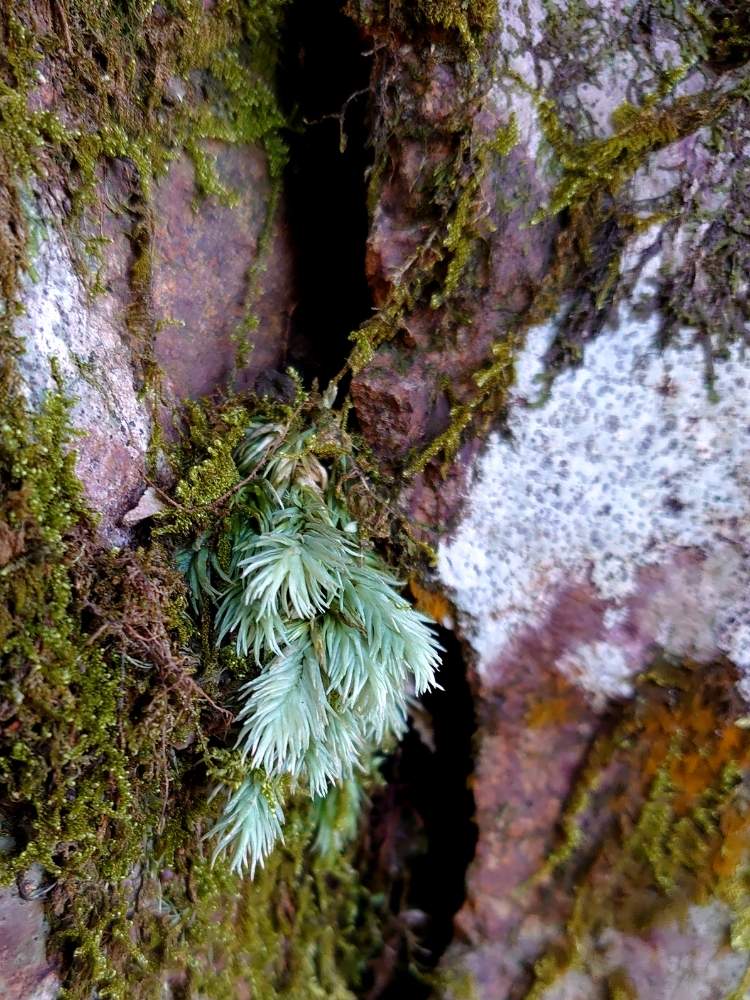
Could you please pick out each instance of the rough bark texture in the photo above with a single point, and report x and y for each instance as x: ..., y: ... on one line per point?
x: 597, y: 153
x: 201, y: 258
x: 558, y: 254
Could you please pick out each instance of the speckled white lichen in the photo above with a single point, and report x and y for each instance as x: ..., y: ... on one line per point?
x: 87, y: 339
x: 693, y: 961
x: 627, y: 465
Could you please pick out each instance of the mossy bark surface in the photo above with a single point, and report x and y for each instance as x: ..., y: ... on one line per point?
x: 547, y: 420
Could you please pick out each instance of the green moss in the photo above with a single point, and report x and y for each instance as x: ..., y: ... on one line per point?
x: 110, y: 738
x: 468, y: 21
x: 492, y: 383
x: 77, y: 787
x: 382, y: 327
x: 445, y: 260
x: 507, y: 137
x: 111, y: 735
x: 109, y: 745
x: 600, y: 166
x: 298, y: 931
x: 592, y: 190
x: 592, y: 176
x: 472, y: 19
x: 725, y: 28
x: 117, y: 69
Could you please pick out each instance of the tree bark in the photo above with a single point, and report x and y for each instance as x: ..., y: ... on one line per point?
x: 554, y: 373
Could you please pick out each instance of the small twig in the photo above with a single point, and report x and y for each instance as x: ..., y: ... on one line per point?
x: 237, y: 486
x: 340, y: 116
x: 91, y: 639
x: 248, y: 478
x: 374, y: 49
x: 165, y: 768
x: 162, y: 494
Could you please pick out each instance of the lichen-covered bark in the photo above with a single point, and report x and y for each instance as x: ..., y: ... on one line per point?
x: 558, y: 245
x: 558, y: 254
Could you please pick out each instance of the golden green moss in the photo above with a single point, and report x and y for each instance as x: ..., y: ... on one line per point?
x: 471, y: 19
x: 492, y: 383
x: 467, y: 22
x: 445, y: 260
x: 596, y: 167
x: 592, y: 190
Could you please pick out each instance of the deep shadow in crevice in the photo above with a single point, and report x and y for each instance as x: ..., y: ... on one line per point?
x: 429, y: 792
x: 727, y: 30
x: 325, y: 73
x: 422, y: 835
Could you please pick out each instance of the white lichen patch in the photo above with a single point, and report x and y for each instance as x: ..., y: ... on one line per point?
x: 86, y: 338
x: 627, y: 468
x: 601, y: 667
x: 677, y: 961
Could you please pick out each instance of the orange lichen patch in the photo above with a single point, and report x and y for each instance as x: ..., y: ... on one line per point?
x: 430, y: 602
x: 551, y: 712
x: 735, y: 842
x: 670, y: 774
x: 555, y: 708
x: 702, y: 737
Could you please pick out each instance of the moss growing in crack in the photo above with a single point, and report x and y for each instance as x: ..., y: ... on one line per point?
x: 110, y: 741
x: 107, y: 740
x: 472, y: 19
x: 304, y: 928
x: 444, y: 259
x: 328, y: 647
x: 55, y: 698
x: 115, y: 737
x: 492, y: 383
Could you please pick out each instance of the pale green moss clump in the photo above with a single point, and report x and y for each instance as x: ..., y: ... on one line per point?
x: 330, y: 647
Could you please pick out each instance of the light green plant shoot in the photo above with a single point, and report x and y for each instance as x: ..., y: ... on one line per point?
x: 334, y: 649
